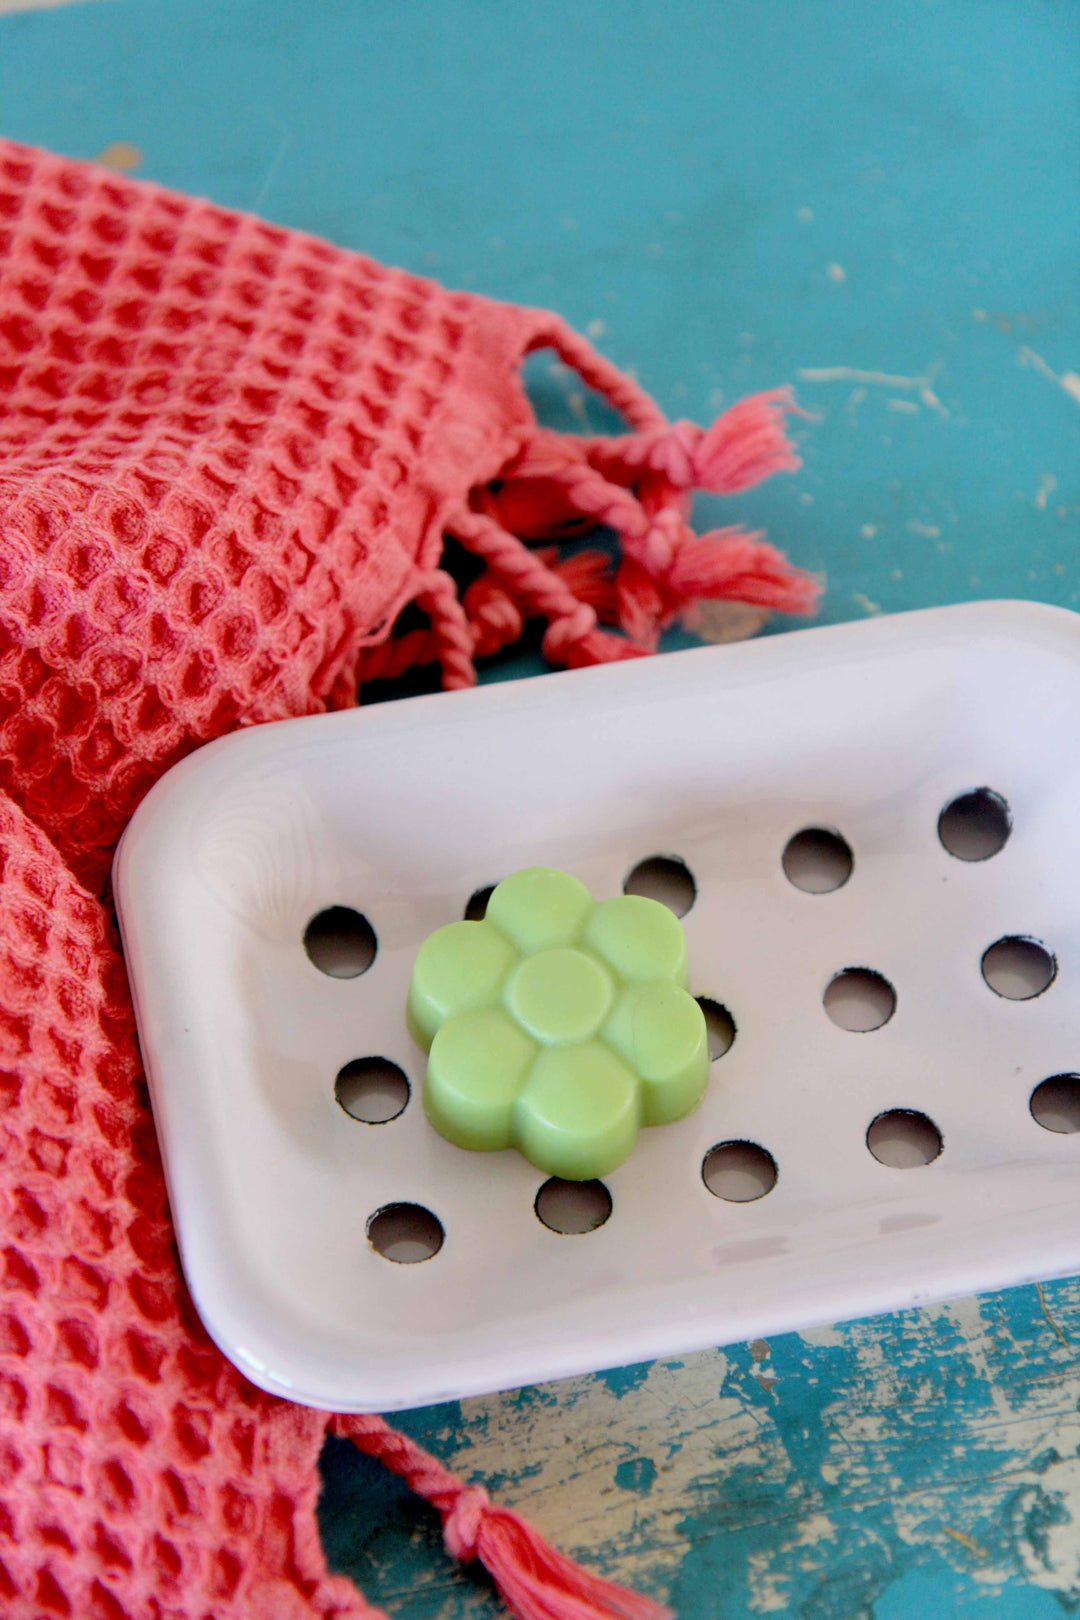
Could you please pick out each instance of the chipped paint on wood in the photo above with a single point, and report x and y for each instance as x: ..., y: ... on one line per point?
x: 120, y: 155
x: 721, y: 621
x: 913, y: 1466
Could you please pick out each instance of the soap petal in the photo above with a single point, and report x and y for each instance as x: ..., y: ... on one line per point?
x: 478, y: 1064
x: 639, y: 939
x: 560, y: 996
x: 579, y: 1112
x: 540, y: 907
x: 458, y: 968
x: 659, y: 1030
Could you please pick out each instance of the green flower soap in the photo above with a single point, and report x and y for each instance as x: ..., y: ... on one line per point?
x: 558, y: 1025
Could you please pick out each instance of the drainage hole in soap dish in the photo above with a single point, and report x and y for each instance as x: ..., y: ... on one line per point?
x: 739, y: 1172
x: 720, y: 1030
x: 1018, y: 968
x: 340, y: 942
x: 405, y: 1233
x: 975, y: 825
x: 476, y: 909
x: 372, y: 1090
x: 572, y: 1207
x: 860, y: 1000
x: 817, y: 860
x: 1055, y: 1104
x: 903, y: 1139
x: 666, y: 878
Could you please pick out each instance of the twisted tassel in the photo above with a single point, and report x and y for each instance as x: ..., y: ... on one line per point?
x: 572, y: 636
x: 495, y: 619
x: 536, y: 1581
x: 732, y: 563
x: 665, y: 564
x: 449, y: 642
x: 745, y: 444
x: 639, y: 484
x: 627, y: 396
x: 437, y: 595
x: 587, y: 574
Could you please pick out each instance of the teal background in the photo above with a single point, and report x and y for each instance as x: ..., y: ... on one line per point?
x: 880, y: 203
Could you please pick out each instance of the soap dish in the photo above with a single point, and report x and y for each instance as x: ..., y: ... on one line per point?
x: 872, y: 834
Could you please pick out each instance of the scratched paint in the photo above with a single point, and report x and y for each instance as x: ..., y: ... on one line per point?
x: 913, y: 1467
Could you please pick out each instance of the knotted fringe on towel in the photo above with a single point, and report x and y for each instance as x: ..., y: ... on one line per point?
x: 639, y: 485
x: 536, y: 1582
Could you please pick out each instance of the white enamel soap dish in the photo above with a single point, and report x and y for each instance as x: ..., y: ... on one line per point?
x: 874, y: 830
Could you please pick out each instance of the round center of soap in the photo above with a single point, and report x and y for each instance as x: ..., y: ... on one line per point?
x: 560, y: 995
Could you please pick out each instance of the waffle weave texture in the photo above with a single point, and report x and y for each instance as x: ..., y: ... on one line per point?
x: 226, y: 451
x: 229, y: 455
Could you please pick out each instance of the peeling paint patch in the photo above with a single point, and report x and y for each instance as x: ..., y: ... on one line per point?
x: 879, y: 379
x: 966, y: 1541
x: 636, y: 1474
x: 1047, y: 486
x: 922, y: 385
x: 1046, y: 1312
x: 721, y: 622
x: 1068, y: 381
x: 621, y: 1380
x: 121, y: 155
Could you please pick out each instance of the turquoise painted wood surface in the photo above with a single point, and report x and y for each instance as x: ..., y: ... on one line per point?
x: 881, y: 204
x: 914, y: 1467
